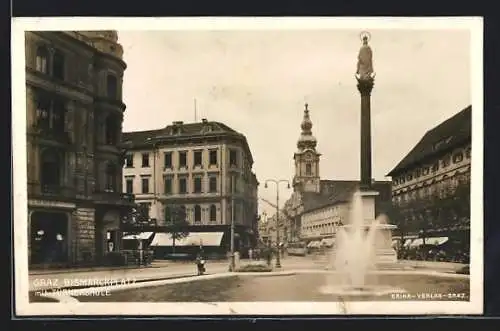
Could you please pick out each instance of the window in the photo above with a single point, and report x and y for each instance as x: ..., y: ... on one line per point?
x: 183, y: 185
x: 418, y: 172
x: 168, y: 215
x: 425, y: 171
x: 182, y: 159
x: 58, y: 116
x: 129, y: 185
x: 43, y: 112
x: 110, y: 178
x: 197, y: 214
x: 112, y: 87
x: 168, y: 185
x: 198, y: 158
x: 467, y: 152
x: 409, y: 177
x: 145, y: 185
x: 167, y: 161
x: 58, y: 65
x: 233, y: 158
x: 145, y: 160
x: 446, y: 161
x: 182, y: 214
x: 213, y: 157
x: 458, y: 157
x: 111, y: 130
x: 197, y: 185
x: 308, y: 169
x: 42, y: 56
x: 50, y: 170
x: 51, y: 115
x: 435, y: 167
x: 213, y: 213
x: 212, y: 183
x: 129, y: 161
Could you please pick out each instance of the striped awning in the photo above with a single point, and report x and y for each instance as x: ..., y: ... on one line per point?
x: 436, y: 241
x: 327, y: 242
x: 142, y: 236
x: 192, y: 239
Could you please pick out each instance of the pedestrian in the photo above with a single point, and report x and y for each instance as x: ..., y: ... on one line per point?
x: 250, y: 253
x: 269, y: 255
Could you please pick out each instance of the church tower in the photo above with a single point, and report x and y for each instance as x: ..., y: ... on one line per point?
x: 306, y: 158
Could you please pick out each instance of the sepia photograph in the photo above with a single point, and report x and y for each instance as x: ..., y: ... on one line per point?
x: 247, y: 166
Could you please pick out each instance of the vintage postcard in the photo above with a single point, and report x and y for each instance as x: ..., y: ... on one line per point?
x: 248, y: 166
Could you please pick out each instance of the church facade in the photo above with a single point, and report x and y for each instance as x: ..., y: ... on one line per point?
x: 317, y: 206
x: 74, y: 115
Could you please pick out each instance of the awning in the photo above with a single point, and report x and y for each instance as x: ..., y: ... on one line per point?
x: 408, y: 242
x: 192, y: 239
x: 436, y: 241
x: 327, y: 242
x: 142, y: 236
x: 314, y: 244
x: 428, y: 241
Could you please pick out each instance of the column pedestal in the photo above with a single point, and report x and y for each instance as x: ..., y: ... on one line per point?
x: 385, y: 254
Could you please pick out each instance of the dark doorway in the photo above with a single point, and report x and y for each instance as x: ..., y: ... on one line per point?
x: 49, y: 237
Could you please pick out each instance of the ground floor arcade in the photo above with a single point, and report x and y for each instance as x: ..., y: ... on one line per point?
x: 61, y: 233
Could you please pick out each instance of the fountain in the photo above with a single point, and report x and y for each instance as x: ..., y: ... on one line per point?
x: 359, y: 245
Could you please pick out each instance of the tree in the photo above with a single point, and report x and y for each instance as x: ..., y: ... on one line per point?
x: 175, y: 217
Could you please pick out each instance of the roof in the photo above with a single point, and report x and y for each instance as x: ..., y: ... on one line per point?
x: 451, y: 133
x: 179, y: 131
x: 336, y: 191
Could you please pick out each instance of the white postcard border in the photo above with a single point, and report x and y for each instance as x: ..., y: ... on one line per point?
x: 24, y: 307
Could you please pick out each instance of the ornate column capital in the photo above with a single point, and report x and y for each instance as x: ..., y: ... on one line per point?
x: 365, y: 85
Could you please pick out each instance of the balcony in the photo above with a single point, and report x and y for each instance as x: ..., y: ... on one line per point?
x: 109, y: 197
x: 60, y: 136
x: 50, y: 191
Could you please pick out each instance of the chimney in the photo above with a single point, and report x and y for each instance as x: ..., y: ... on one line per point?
x: 204, y: 120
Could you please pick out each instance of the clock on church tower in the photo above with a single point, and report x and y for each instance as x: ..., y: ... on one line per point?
x: 306, y: 158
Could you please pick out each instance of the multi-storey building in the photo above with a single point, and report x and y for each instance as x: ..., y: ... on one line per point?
x: 431, y: 184
x: 318, y: 206
x: 74, y: 113
x: 200, y: 167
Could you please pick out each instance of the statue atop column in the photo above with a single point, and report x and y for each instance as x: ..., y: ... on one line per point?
x: 365, y: 64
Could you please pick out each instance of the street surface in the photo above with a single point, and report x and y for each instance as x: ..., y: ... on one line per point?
x: 39, y: 280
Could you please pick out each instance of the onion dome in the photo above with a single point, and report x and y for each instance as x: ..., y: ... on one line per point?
x: 306, y: 139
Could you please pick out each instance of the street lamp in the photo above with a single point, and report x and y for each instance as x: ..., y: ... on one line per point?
x: 277, y: 182
x: 232, y: 265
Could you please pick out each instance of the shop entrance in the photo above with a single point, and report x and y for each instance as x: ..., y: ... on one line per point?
x: 49, y: 237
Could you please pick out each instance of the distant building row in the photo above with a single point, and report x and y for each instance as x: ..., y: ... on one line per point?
x: 430, y: 190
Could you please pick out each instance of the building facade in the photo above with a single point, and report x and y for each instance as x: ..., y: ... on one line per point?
x: 200, y: 167
x: 317, y: 206
x: 74, y: 116
x: 431, y: 184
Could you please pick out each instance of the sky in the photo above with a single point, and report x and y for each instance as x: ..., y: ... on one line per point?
x: 257, y: 82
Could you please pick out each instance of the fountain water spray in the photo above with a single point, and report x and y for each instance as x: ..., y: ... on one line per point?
x: 356, y: 244
x: 354, y: 256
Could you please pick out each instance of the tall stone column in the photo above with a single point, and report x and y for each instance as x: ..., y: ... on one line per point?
x: 365, y: 77
x: 365, y: 86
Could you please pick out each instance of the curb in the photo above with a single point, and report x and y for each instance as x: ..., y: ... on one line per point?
x: 68, y: 271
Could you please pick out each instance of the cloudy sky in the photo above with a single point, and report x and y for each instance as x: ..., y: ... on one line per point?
x: 258, y: 81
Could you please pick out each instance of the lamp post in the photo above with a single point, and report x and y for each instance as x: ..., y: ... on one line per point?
x: 277, y: 182
x: 232, y: 264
